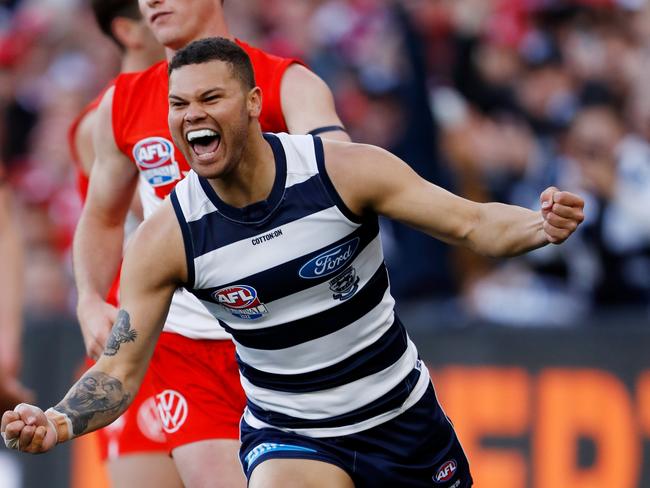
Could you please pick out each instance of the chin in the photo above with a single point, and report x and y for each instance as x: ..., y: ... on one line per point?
x: 168, y: 37
x: 207, y: 170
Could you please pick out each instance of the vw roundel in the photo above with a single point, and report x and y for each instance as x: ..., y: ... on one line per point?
x: 153, y: 152
x: 330, y: 261
x: 241, y: 301
x: 446, y: 471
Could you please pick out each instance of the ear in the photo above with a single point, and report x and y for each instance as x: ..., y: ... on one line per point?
x: 125, y: 31
x: 254, y: 102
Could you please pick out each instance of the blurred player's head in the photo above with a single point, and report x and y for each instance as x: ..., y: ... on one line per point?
x: 594, y: 144
x: 176, y: 23
x: 213, y: 104
x: 122, y: 22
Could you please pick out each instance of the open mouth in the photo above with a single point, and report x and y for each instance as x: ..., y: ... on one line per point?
x: 204, y: 142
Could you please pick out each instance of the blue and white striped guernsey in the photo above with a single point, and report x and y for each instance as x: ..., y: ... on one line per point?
x: 300, y: 283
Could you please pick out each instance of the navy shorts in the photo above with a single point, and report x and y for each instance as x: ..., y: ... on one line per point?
x: 417, y: 448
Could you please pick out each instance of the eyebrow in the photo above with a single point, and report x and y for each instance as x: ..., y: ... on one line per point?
x: 211, y: 91
x: 206, y: 93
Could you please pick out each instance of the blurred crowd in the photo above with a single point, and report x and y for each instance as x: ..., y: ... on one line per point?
x: 492, y: 99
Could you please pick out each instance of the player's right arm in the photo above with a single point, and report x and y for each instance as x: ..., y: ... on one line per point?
x: 97, y: 250
x: 154, y: 266
x: 380, y: 183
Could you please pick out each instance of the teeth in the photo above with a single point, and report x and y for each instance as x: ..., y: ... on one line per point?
x: 195, y: 134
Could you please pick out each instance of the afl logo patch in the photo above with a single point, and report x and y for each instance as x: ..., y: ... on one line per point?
x: 241, y: 301
x: 446, y: 471
x: 172, y: 407
x: 154, y: 157
x: 153, y: 152
x: 330, y: 261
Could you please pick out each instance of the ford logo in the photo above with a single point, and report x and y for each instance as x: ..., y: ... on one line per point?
x: 330, y: 261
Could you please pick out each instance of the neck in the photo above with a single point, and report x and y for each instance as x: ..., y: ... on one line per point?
x: 216, y: 27
x: 253, y: 177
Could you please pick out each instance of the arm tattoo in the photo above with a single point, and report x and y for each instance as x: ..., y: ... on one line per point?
x: 120, y: 333
x: 96, y: 397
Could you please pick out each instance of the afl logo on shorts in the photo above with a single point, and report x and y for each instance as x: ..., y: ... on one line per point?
x: 241, y: 301
x: 155, y: 159
x: 172, y: 407
x: 446, y: 471
x: 330, y: 261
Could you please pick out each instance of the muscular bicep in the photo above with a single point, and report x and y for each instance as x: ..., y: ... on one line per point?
x: 153, y: 268
x: 151, y: 272
x: 308, y: 104
x: 113, y: 178
x: 370, y: 179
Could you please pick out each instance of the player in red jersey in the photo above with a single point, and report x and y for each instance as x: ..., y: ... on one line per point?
x: 199, y: 395
x: 134, y: 447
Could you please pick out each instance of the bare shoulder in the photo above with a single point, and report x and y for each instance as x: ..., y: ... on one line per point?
x: 105, y: 106
x: 103, y: 125
x: 362, y: 174
x: 307, y: 101
x: 157, y: 248
x: 117, y: 167
x: 83, y: 141
x: 297, y: 75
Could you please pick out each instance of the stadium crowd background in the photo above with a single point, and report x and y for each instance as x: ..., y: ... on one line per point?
x: 491, y: 99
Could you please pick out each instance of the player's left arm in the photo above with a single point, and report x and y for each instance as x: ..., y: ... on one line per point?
x: 308, y: 105
x: 154, y: 266
x: 382, y: 183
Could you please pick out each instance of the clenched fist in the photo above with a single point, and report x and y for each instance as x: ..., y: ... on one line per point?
x: 26, y: 428
x: 562, y: 212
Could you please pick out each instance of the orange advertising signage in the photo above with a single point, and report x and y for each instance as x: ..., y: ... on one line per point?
x: 552, y: 427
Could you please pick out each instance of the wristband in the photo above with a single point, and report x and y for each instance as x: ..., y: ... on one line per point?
x: 61, y: 424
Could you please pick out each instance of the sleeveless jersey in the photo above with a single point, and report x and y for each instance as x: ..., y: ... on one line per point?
x: 141, y: 132
x: 300, y: 283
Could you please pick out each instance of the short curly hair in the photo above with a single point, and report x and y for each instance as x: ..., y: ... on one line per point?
x: 216, y: 49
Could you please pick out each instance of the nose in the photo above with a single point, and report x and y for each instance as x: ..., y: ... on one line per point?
x: 152, y: 3
x: 194, y: 113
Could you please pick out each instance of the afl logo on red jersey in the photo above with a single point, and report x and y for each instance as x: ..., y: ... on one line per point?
x: 241, y: 301
x: 155, y: 159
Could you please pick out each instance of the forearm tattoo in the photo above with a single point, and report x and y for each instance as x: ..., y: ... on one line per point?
x: 120, y: 333
x: 97, y: 398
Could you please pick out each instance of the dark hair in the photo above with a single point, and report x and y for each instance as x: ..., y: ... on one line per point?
x: 216, y: 49
x: 106, y: 11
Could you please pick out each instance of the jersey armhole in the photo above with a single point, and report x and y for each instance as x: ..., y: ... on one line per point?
x: 329, y: 186
x: 116, y: 121
x: 187, y: 239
